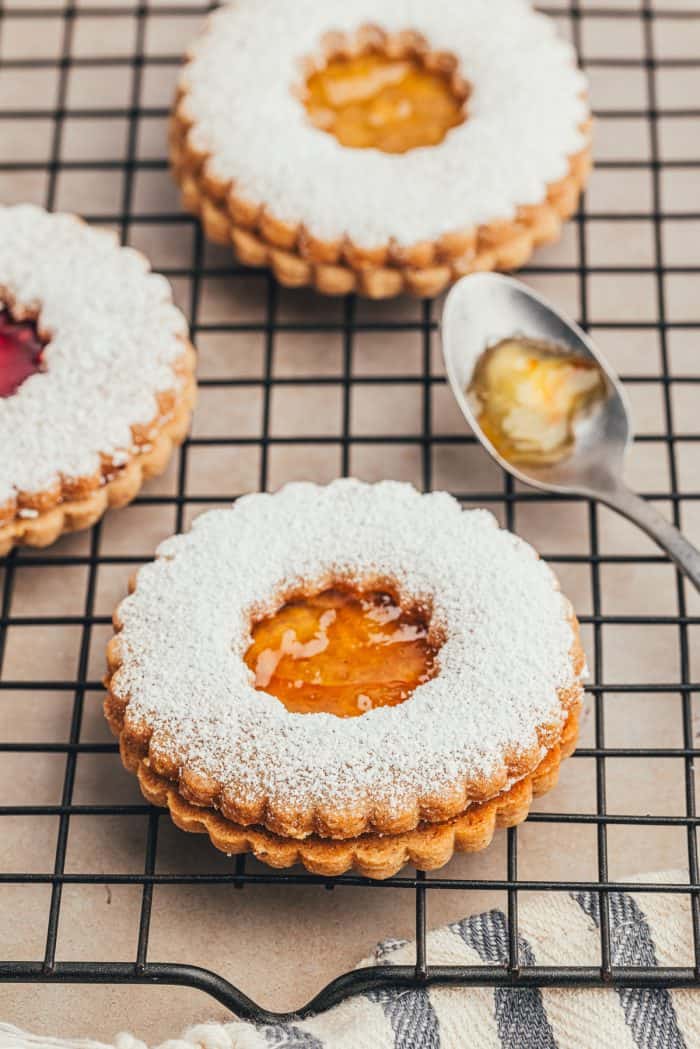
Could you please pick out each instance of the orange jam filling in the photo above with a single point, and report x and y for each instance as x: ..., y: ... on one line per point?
x: 391, y: 104
x: 341, y: 652
x: 529, y: 395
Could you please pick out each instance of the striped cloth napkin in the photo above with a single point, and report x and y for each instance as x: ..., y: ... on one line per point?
x: 647, y: 929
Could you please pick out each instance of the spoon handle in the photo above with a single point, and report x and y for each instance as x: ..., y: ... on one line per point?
x: 630, y: 505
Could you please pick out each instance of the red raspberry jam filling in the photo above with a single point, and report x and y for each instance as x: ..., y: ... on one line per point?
x: 21, y: 352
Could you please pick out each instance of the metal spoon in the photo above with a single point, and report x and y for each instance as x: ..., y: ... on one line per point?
x: 486, y: 307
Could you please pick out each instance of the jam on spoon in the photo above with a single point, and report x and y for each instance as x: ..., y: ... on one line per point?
x: 528, y: 396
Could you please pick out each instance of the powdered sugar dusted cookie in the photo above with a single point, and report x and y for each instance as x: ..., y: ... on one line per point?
x: 96, y: 374
x: 381, y: 145
x: 238, y: 655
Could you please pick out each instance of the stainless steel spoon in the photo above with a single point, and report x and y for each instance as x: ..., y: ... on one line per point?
x: 486, y: 307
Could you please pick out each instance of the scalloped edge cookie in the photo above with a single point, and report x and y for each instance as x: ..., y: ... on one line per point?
x: 264, y: 767
x: 118, y: 387
x: 261, y: 238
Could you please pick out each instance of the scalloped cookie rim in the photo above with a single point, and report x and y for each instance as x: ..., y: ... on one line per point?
x: 427, y: 847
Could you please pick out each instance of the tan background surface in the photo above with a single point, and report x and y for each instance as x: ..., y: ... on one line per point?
x: 282, y: 944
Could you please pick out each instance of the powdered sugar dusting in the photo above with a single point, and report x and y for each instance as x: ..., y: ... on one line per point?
x: 525, y: 112
x: 114, y: 337
x: 507, y: 646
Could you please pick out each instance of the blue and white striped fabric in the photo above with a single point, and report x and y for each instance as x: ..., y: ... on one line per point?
x: 647, y: 929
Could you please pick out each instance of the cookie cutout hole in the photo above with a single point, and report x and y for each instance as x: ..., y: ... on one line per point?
x: 342, y: 651
x: 385, y: 92
x: 21, y: 351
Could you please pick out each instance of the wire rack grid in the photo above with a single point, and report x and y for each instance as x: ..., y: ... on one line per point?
x: 84, y: 95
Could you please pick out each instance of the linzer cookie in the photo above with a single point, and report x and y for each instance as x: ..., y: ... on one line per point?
x: 349, y: 676
x: 380, y: 147
x: 96, y: 375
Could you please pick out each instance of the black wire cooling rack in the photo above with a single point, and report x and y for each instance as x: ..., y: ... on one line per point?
x: 46, y: 117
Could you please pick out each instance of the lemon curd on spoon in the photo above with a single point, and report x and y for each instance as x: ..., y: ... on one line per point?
x: 529, y: 395
x: 342, y: 651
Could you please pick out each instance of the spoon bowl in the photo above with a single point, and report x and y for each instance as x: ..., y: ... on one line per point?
x: 485, y: 308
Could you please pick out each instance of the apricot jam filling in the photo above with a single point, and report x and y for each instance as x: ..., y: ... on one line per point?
x: 341, y: 652
x: 391, y: 104
x: 20, y: 352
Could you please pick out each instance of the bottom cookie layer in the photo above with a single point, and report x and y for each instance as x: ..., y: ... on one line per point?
x: 378, y: 856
